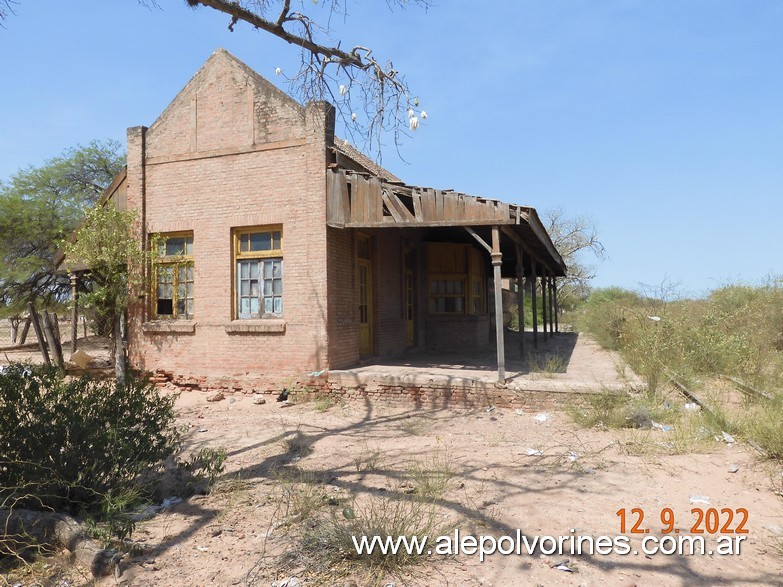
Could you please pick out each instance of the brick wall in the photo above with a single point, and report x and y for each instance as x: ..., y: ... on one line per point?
x: 232, y: 151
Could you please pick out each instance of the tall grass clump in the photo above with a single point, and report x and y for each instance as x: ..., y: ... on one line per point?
x: 736, y: 330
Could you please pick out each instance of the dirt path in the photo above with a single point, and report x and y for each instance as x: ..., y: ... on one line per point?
x: 581, y: 479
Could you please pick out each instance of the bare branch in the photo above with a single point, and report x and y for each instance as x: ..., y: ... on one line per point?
x: 371, y: 97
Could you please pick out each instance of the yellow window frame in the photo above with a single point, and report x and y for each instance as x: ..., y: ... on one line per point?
x: 168, y: 261
x: 239, y: 255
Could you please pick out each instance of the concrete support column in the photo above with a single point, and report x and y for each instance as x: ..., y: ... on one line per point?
x: 497, y: 259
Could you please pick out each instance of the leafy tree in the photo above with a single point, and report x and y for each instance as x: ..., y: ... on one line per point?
x: 41, y: 206
x: 107, y: 245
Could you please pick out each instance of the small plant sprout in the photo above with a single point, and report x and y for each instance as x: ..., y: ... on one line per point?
x: 343, y: 90
x: 413, y: 123
x: 278, y: 71
x: 424, y: 115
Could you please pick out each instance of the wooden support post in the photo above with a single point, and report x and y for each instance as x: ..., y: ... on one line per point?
x: 74, y: 311
x: 557, y: 309
x: 544, y: 297
x: 51, y: 336
x: 25, y: 329
x: 39, y: 333
x: 534, y: 301
x: 551, y: 305
x: 521, y: 300
x: 497, y: 259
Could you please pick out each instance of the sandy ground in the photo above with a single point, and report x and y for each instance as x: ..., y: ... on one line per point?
x: 579, y: 482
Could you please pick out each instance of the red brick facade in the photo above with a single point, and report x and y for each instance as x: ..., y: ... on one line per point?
x: 230, y: 152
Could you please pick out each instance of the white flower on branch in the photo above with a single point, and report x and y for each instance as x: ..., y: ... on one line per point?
x: 353, y: 116
x: 343, y: 90
x: 278, y: 71
x: 424, y: 115
x: 411, y: 113
x: 413, y: 123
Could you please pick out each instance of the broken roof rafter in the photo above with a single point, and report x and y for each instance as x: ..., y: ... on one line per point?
x: 358, y: 199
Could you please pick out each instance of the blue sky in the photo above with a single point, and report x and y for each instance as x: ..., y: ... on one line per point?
x: 662, y: 120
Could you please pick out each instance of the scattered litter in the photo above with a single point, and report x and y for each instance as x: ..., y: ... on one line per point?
x: 259, y: 400
x: 232, y: 400
x: 489, y: 409
x: 655, y: 318
x: 733, y: 468
x: 573, y: 456
x: 519, y: 412
x: 534, y: 452
x: 171, y: 501
x: 700, y: 499
x: 317, y: 373
x: 144, y: 513
x: 289, y: 582
x: 81, y: 359
x: 202, y: 429
x: 563, y: 566
x: 542, y: 417
x: 691, y: 407
x: 663, y: 427
x: 728, y: 437
x: 202, y: 548
x: 216, y: 397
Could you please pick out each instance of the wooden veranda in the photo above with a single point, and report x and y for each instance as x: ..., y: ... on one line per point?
x: 513, y: 236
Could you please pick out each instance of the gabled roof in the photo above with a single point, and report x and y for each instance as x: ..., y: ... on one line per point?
x: 346, y: 149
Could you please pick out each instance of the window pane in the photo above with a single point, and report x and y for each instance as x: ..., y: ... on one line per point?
x: 244, y: 287
x: 278, y: 268
x: 260, y: 241
x: 175, y: 245
x: 254, y: 269
x: 267, y: 270
x: 267, y: 305
x: 189, y: 307
x: 165, y: 308
x: 276, y: 241
x: 450, y: 287
x: 458, y: 287
x: 244, y: 306
x: 244, y: 270
x: 254, y: 306
x: 181, y: 307
x: 278, y: 305
x: 277, y: 287
x: 188, y: 245
x: 254, y: 287
x: 267, y: 287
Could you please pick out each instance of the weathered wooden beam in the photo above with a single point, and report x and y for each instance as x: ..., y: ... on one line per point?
x: 337, y: 202
x: 74, y: 311
x: 497, y: 261
x: 521, y: 300
x: 51, y: 337
x: 533, y: 288
x: 480, y: 240
x: 543, y: 302
x: 375, y: 200
x: 39, y: 333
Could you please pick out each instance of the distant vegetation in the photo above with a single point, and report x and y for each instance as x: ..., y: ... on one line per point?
x: 735, y: 332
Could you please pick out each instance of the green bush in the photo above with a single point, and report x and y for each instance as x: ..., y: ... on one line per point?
x: 79, y: 445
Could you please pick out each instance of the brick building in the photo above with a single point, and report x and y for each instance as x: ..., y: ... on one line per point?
x: 281, y: 250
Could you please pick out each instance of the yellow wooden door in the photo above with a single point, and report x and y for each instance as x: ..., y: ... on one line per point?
x: 364, y: 267
x: 409, y: 313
